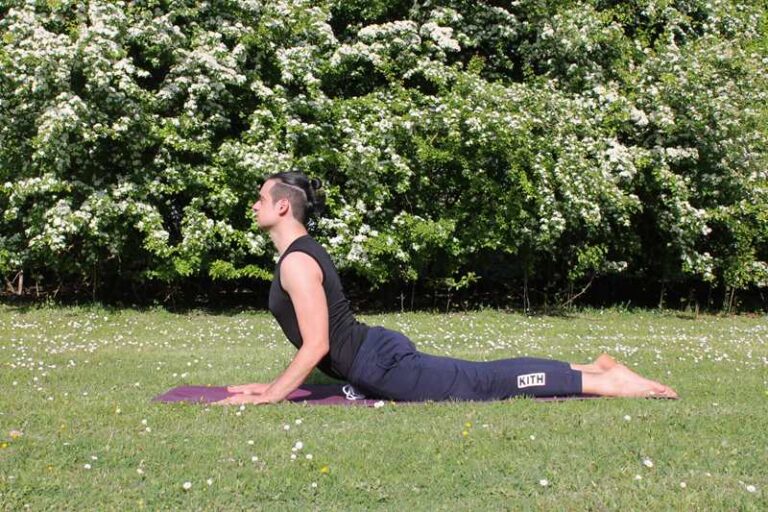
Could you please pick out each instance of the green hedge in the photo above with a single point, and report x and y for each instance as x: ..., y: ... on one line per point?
x: 565, y: 139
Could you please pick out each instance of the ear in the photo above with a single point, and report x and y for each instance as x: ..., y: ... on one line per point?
x: 283, y: 206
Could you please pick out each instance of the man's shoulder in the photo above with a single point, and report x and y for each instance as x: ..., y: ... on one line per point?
x: 298, y: 261
x: 312, y: 247
x: 301, y: 265
x: 308, y: 241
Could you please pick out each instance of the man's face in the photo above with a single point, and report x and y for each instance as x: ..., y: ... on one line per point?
x: 267, y: 213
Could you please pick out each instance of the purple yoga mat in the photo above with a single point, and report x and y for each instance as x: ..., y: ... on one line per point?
x: 311, y: 394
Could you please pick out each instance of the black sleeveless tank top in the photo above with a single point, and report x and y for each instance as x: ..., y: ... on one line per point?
x: 346, y: 334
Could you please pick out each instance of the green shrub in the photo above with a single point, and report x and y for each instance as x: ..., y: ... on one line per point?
x: 569, y: 139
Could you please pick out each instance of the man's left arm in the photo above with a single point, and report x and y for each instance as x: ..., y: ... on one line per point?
x: 301, y: 278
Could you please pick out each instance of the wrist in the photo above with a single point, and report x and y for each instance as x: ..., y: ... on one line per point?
x: 271, y: 398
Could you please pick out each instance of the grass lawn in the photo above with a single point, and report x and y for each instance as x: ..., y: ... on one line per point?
x: 78, y: 430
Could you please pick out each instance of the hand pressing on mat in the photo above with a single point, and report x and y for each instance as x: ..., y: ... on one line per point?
x: 256, y: 388
x: 242, y: 398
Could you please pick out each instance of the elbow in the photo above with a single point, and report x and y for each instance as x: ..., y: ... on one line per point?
x: 318, y: 350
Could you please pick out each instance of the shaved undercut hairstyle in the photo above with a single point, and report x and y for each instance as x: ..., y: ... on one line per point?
x: 304, y: 194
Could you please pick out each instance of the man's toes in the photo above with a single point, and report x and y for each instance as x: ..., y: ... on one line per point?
x: 669, y: 392
x: 662, y: 391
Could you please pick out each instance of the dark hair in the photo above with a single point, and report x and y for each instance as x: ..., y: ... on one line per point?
x: 304, y: 194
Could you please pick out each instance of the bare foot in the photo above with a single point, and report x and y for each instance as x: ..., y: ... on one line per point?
x: 632, y: 384
x: 621, y: 381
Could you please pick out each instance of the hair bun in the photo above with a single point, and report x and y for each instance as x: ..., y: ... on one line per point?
x: 315, y: 183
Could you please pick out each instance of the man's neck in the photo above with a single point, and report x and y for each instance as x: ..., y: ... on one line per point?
x: 282, y: 238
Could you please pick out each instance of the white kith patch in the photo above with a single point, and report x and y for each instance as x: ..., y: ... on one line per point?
x: 531, y: 379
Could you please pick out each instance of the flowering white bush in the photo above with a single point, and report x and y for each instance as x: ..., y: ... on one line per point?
x: 563, y: 141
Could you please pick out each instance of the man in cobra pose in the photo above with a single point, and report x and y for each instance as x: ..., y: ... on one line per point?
x: 307, y: 299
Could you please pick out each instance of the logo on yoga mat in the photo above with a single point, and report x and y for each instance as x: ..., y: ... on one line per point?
x: 531, y: 379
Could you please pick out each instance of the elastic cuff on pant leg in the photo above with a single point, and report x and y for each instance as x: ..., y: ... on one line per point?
x: 576, y: 382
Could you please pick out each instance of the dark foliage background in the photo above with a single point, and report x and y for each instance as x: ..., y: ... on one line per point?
x: 533, y: 154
